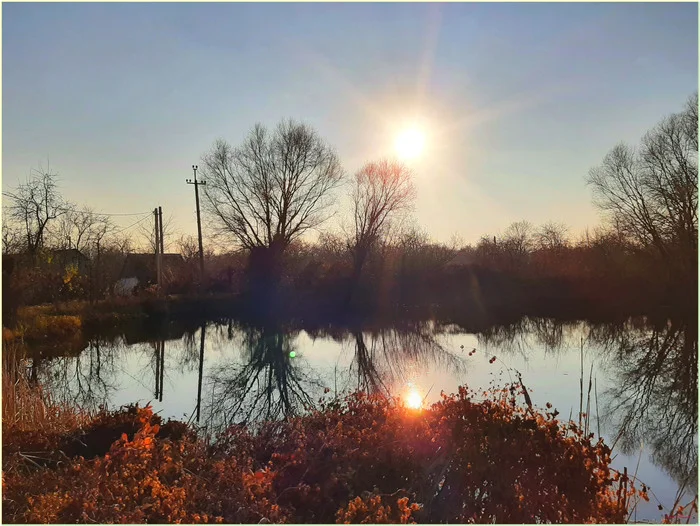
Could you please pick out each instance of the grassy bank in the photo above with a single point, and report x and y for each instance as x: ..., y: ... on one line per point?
x: 63, y: 320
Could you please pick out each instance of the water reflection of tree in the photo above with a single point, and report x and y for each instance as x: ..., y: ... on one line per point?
x: 391, y: 357
x: 270, y: 383
x: 653, y: 370
x: 86, y: 380
x: 654, y: 398
x: 526, y: 333
x: 189, y: 359
x: 369, y: 377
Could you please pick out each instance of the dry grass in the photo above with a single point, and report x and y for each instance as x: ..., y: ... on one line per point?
x: 28, y: 407
x: 48, y: 327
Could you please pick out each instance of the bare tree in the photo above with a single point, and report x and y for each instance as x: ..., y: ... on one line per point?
x: 331, y: 246
x: 412, y: 238
x: 81, y: 229
x: 456, y: 242
x: 34, y: 205
x: 551, y: 236
x: 147, y: 234
x: 11, y: 235
x: 188, y: 247
x: 120, y: 243
x: 271, y: 189
x: 650, y: 193
x: 518, y: 238
x: 381, y: 191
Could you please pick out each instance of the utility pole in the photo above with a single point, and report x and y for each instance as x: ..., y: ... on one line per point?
x: 162, y: 251
x: 97, y: 272
x: 157, y: 247
x: 199, y: 222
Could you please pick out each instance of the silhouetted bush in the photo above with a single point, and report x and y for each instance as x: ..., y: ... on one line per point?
x: 361, y: 459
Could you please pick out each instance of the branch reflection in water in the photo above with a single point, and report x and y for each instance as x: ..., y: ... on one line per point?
x: 652, y: 373
x: 272, y: 382
x: 387, y: 361
x: 275, y: 381
x: 654, y: 398
x: 647, y: 373
x: 87, y: 379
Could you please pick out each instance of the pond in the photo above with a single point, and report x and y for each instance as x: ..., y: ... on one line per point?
x: 637, y: 381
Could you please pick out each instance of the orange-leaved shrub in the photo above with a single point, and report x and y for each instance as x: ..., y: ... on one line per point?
x: 363, y: 459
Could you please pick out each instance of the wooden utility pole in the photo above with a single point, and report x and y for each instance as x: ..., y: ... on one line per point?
x: 98, y: 286
x: 199, y: 222
x: 157, y: 247
x: 160, y: 229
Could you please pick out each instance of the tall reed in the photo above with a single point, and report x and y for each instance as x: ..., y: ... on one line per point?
x: 26, y: 405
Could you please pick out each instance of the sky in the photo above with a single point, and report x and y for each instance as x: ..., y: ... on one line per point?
x: 517, y: 101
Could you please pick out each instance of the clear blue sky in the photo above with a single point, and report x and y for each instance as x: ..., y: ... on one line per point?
x: 517, y: 101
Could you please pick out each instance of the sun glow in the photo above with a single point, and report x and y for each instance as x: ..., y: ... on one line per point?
x: 414, y: 400
x: 410, y: 143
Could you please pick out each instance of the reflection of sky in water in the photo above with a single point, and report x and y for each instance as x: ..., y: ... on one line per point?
x: 550, y: 371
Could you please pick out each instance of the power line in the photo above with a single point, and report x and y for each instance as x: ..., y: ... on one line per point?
x: 76, y: 209
x: 133, y: 224
x: 105, y: 214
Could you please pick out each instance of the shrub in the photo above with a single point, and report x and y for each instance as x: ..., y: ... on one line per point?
x: 363, y: 459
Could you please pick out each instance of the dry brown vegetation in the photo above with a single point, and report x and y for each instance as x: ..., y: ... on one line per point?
x: 473, y: 457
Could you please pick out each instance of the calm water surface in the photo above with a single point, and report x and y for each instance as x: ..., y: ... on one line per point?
x: 643, y: 379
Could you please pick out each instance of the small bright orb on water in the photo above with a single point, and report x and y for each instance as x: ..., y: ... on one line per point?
x: 414, y: 400
x: 292, y: 354
x: 409, y: 143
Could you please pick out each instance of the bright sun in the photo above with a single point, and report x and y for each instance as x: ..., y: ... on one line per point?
x: 414, y: 400
x: 409, y: 144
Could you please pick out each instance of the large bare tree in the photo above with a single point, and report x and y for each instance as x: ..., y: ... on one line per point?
x: 34, y: 204
x: 271, y: 189
x: 381, y: 191
x: 650, y: 193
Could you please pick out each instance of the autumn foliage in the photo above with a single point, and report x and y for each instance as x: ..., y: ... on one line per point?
x: 359, y: 460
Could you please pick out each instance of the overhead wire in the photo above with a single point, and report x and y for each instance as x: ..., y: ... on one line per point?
x: 138, y: 214
x: 75, y: 209
x: 133, y: 224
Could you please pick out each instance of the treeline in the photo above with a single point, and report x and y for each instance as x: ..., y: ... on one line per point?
x: 525, y: 270
x: 263, y: 196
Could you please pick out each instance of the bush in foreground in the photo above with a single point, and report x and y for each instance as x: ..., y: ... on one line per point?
x: 362, y: 459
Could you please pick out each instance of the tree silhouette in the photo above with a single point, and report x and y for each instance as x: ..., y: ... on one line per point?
x: 650, y: 193
x: 381, y: 190
x: 272, y: 188
x: 34, y: 205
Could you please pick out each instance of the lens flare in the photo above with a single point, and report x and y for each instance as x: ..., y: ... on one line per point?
x: 414, y: 400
